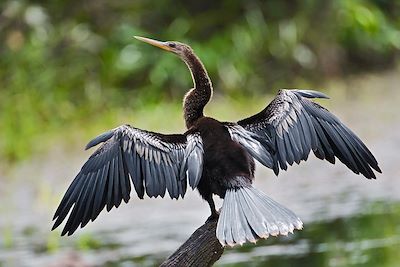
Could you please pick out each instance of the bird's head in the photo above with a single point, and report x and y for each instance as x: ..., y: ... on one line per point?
x: 177, y: 48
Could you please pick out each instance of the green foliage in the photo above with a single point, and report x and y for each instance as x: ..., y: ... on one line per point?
x: 65, y: 64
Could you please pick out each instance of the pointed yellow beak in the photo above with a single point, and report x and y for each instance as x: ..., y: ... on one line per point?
x: 162, y: 45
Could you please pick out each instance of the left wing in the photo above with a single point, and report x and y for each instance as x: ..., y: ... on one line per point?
x: 155, y: 163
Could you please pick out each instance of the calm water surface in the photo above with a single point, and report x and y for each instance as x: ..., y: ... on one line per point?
x: 349, y: 220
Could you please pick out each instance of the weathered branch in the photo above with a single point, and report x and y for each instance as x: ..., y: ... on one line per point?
x: 201, y: 249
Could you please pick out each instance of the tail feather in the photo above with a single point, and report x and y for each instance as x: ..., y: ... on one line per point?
x: 248, y: 214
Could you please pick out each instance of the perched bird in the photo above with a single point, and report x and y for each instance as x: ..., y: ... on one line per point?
x: 216, y: 158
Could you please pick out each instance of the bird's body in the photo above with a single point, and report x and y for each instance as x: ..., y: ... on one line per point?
x: 224, y: 160
x: 216, y: 158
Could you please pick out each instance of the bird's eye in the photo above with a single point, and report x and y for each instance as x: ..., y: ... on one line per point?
x: 172, y: 45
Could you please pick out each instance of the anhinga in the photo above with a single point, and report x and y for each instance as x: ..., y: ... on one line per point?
x: 214, y: 157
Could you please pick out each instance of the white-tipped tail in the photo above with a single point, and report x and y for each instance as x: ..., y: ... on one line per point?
x: 248, y: 214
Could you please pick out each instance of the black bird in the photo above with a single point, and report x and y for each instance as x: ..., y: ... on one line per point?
x: 214, y: 157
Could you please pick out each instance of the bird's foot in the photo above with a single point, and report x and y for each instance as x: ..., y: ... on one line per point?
x: 213, y: 217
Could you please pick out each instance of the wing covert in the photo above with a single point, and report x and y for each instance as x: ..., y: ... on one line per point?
x: 193, y: 159
x: 258, y: 147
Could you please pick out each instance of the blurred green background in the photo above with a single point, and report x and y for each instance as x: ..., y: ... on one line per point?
x: 73, y: 63
x: 71, y: 69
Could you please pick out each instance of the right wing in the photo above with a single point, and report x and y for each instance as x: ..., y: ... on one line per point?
x: 154, y: 162
x: 292, y: 125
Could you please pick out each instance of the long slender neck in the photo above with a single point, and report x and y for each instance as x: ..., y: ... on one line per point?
x: 196, y: 99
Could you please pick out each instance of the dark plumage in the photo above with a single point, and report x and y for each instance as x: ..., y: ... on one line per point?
x: 214, y: 157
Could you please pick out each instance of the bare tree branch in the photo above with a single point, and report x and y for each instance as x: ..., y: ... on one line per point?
x: 201, y: 249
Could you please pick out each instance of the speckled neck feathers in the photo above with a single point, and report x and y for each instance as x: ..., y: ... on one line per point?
x: 196, y: 99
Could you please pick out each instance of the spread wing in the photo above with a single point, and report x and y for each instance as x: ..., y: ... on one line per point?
x: 155, y: 163
x: 292, y: 125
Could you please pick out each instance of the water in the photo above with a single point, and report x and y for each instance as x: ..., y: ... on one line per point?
x: 349, y: 220
x: 367, y: 239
